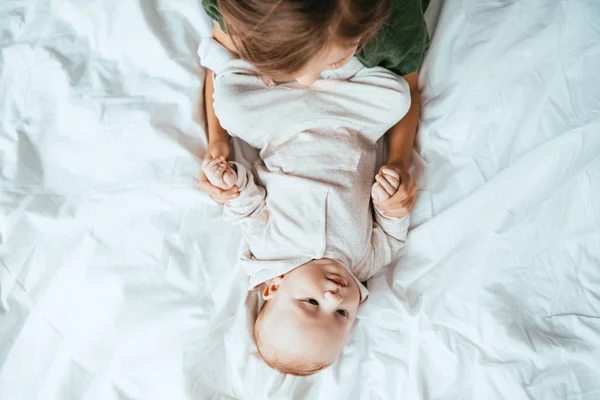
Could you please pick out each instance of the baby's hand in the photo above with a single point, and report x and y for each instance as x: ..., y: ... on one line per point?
x: 387, y: 184
x: 399, y: 201
x: 219, y: 173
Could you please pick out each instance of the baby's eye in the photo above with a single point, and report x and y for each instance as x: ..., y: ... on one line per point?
x: 343, y: 313
x: 313, y: 302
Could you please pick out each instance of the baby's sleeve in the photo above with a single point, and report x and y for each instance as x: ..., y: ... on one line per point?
x: 387, y: 238
x: 249, y: 210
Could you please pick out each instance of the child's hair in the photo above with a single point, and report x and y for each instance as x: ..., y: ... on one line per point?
x: 297, y: 366
x: 282, y: 36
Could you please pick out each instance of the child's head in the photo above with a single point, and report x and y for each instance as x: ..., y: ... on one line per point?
x: 301, y: 38
x: 308, y: 312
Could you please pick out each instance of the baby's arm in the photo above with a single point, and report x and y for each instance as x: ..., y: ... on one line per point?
x: 389, y: 234
x: 249, y: 209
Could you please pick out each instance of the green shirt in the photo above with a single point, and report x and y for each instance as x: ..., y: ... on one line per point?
x: 399, y: 45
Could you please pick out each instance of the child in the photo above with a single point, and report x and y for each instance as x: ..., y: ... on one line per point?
x: 299, y: 39
x: 312, y: 239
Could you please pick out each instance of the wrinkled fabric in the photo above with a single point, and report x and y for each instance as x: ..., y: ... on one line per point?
x: 118, y: 279
x: 318, y: 152
x: 278, y: 244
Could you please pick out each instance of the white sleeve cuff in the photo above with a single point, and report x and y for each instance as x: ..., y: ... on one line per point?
x: 395, y: 227
x: 380, y: 214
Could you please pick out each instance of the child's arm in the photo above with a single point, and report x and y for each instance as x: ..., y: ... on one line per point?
x: 401, y: 139
x: 218, y: 138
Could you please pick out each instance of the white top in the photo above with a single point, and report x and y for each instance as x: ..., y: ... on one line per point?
x: 318, y: 150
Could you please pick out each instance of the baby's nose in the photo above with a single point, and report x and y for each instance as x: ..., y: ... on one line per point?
x: 333, y: 298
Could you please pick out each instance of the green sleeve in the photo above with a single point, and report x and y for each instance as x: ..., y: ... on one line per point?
x: 212, y: 9
x: 401, y: 42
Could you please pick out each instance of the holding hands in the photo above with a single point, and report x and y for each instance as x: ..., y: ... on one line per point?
x: 394, y: 193
x: 219, y: 173
x: 220, y: 183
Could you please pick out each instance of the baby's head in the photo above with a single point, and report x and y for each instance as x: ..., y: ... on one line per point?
x: 305, y: 320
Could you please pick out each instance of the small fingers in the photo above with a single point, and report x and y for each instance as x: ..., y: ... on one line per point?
x: 407, y: 207
x: 385, y: 184
x: 404, y: 203
x: 209, y: 165
x: 393, y: 181
x: 403, y: 191
x: 403, y: 197
x: 390, y: 172
x: 378, y: 193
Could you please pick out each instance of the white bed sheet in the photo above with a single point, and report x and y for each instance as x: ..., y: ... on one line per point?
x: 118, y: 279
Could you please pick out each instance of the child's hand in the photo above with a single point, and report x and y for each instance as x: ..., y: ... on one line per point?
x: 216, y: 150
x: 219, y: 173
x: 395, y: 192
x: 387, y: 182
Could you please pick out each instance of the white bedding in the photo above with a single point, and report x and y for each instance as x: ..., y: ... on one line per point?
x: 118, y: 279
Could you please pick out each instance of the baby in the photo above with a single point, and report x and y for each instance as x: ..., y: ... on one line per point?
x: 311, y: 235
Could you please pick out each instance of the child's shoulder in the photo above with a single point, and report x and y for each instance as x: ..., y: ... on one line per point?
x: 401, y: 42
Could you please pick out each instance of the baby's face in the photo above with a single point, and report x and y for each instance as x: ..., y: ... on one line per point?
x: 310, y: 311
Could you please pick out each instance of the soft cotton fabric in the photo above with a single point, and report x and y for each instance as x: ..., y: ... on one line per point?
x: 118, y: 277
x: 317, y: 162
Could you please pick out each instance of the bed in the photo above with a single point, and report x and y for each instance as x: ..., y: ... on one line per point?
x: 118, y: 279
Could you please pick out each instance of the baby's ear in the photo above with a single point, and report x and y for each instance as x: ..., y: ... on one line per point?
x: 271, y: 287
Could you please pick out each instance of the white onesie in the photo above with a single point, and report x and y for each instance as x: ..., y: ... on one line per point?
x: 318, y: 153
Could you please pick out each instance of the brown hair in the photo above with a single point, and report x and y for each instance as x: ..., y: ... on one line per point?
x: 297, y: 366
x: 282, y: 36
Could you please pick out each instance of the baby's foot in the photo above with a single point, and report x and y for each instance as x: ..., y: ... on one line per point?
x: 387, y: 184
x: 219, y: 173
